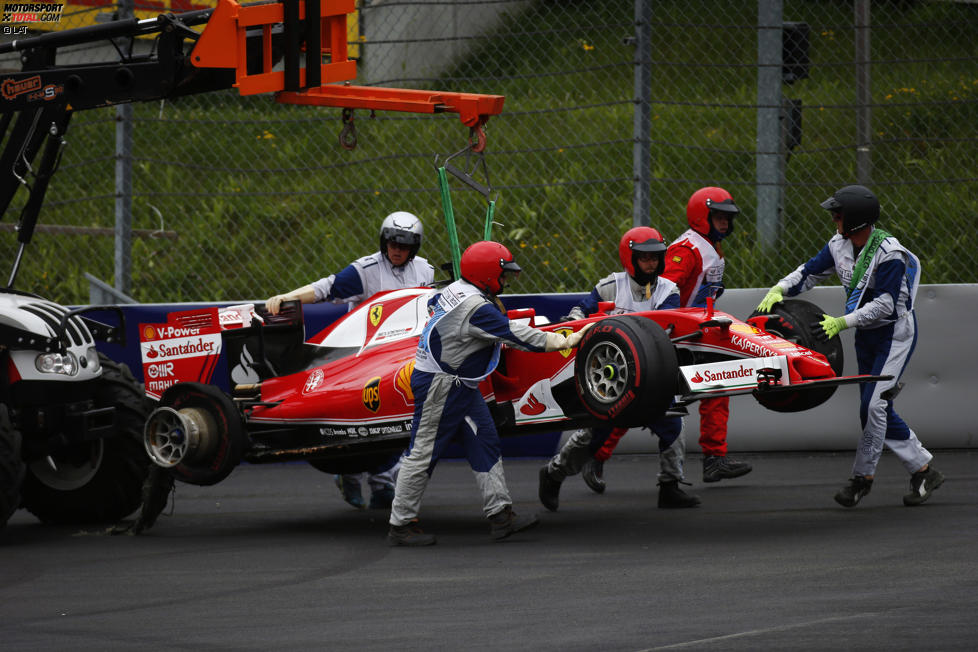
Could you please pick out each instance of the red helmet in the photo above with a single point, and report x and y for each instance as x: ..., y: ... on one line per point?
x: 640, y: 239
x: 705, y: 200
x: 484, y: 265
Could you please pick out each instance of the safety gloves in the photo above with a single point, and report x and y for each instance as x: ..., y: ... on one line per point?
x: 832, y: 326
x: 773, y: 296
x: 556, y: 341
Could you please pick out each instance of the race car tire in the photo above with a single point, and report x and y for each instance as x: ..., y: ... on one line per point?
x: 796, y: 320
x: 99, y: 481
x: 12, y: 467
x: 626, y: 371
x: 226, y: 443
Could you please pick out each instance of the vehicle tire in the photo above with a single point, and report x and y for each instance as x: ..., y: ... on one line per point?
x: 626, y: 371
x: 795, y: 320
x: 225, y: 445
x: 100, y: 481
x: 12, y: 467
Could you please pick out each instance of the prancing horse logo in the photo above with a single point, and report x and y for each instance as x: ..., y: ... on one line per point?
x: 375, y: 314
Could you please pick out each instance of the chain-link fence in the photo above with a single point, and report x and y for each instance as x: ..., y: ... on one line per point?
x: 779, y: 102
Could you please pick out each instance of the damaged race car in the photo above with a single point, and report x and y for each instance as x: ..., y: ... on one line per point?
x: 342, y: 399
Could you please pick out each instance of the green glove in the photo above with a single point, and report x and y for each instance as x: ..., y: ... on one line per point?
x: 773, y: 296
x: 832, y: 326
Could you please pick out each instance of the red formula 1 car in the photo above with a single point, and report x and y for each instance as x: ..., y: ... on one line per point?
x: 342, y: 399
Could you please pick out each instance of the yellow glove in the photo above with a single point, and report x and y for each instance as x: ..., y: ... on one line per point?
x: 773, y: 296
x: 832, y: 326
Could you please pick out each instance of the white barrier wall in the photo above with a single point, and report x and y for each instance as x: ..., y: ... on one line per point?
x: 941, y: 383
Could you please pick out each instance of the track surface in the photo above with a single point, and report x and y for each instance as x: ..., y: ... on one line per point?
x: 273, y: 559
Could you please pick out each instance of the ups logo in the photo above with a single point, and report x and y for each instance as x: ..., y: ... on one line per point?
x: 371, y: 394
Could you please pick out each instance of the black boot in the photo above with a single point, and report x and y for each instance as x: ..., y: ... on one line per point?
x: 672, y: 497
x: 721, y: 467
x: 549, y: 490
x: 409, y: 535
x: 593, y: 474
x: 507, y: 522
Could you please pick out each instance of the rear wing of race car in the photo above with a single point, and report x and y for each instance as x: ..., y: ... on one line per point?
x: 190, y: 344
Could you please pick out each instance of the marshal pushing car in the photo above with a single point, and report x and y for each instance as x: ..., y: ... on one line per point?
x: 342, y: 399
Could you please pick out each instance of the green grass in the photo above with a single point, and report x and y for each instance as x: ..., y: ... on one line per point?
x: 262, y: 198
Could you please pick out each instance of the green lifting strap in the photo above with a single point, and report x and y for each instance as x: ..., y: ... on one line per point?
x: 446, y: 205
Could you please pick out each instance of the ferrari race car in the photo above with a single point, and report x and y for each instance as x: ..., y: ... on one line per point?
x: 342, y: 399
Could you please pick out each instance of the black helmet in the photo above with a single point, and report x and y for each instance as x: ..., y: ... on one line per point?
x: 857, y: 205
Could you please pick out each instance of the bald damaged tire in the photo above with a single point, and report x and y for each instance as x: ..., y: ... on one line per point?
x: 197, y: 433
x: 797, y: 320
x: 626, y: 371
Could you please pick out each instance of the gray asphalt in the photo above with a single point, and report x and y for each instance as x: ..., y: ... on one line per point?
x: 273, y: 559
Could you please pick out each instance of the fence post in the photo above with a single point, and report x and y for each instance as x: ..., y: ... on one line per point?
x: 642, y: 116
x: 123, y: 183
x: 864, y: 111
x: 769, y: 159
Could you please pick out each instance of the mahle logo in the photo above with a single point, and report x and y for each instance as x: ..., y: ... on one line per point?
x: 371, y: 394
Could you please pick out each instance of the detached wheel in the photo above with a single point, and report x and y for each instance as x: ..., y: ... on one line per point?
x: 196, y: 432
x: 794, y: 320
x: 626, y: 371
x: 12, y: 467
x: 99, y: 481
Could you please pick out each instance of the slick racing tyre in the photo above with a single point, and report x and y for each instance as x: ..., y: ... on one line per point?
x: 196, y: 432
x: 797, y: 321
x: 626, y: 371
x: 99, y: 481
x: 11, y: 467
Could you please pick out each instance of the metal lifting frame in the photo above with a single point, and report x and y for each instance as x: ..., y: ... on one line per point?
x: 317, y: 29
x: 239, y: 47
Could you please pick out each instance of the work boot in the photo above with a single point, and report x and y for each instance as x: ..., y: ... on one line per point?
x: 506, y: 522
x: 854, y: 491
x: 922, y: 484
x: 549, y: 490
x: 672, y: 497
x: 719, y: 467
x: 382, y: 498
x: 593, y: 474
x: 349, y: 486
x: 409, y: 535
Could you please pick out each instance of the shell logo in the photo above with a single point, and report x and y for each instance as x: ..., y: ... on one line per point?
x: 375, y: 314
x: 745, y: 329
x: 149, y: 333
x: 402, y: 382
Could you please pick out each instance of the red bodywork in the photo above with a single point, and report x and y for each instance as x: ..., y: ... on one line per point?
x: 352, y: 383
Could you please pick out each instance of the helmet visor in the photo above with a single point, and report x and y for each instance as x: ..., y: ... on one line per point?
x: 832, y: 204
x: 401, y: 237
x: 725, y: 206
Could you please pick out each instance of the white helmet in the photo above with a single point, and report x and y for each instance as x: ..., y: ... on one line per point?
x: 404, y: 228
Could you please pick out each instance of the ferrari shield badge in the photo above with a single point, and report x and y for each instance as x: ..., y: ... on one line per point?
x: 375, y: 314
x: 566, y: 332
